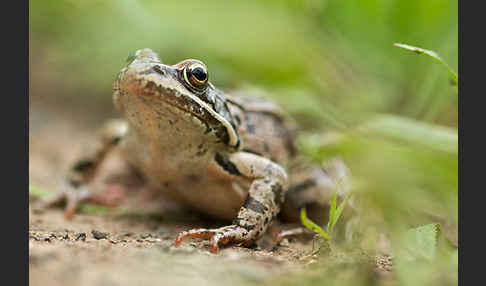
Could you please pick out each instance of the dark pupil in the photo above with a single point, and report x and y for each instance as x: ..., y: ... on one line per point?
x: 199, y: 73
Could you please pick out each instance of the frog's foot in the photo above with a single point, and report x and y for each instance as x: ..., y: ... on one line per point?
x: 110, y: 196
x: 219, y: 236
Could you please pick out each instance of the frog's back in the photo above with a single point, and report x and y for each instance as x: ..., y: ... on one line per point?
x: 265, y: 129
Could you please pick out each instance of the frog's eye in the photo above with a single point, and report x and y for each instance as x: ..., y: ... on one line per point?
x: 195, y: 75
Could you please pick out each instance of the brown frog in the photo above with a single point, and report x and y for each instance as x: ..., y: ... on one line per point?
x: 227, y: 155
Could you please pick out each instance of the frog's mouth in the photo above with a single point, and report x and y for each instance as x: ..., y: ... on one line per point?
x: 190, y: 104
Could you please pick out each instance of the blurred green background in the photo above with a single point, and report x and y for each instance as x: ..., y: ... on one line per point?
x: 331, y: 64
x: 337, y: 52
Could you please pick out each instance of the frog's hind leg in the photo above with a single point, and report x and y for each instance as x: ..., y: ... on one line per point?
x: 77, y: 188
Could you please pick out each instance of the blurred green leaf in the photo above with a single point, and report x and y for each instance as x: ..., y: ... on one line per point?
x: 414, y: 131
x: 89, y: 208
x: 423, y: 257
x: 37, y: 191
x: 421, y: 242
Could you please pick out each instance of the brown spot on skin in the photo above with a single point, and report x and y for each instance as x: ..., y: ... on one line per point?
x: 238, y: 119
x: 115, y: 140
x: 193, y: 178
x: 266, y: 148
x: 250, y: 127
x: 237, y: 221
x: 302, y: 186
x: 83, y: 165
x: 277, y: 193
x: 201, y: 152
x: 254, y: 205
x: 251, y: 151
x: 158, y: 70
x: 289, y: 143
x: 227, y: 165
x: 75, y: 183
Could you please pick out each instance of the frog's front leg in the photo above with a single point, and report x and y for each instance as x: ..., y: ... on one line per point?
x: 78, y: 187
x: 263, y: 203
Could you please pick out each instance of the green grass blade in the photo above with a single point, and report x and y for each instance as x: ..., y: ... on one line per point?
x: 338, y: 212
x: 332, y: 213
x: 311, y: 225
x: 433, y: 55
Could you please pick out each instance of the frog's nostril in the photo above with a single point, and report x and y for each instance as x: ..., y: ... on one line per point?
x: 159, y: 70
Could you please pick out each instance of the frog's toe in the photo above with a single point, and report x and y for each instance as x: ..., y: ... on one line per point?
x: 218, y: 237
x: 222, y: 238
x: 70, y: 196
x: 73, y: 197
x: 194, y: 233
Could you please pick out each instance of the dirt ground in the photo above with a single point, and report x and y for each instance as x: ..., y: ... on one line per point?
x: 132, y: 245
x: 139, y: 251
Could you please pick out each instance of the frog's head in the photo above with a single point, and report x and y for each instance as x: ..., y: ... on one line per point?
x: 183, y: 87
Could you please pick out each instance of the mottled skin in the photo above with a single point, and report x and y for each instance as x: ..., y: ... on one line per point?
x: 224, y: 155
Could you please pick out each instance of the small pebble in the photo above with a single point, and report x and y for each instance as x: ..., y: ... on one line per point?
x: 98, y: 234
x: 81, y: 236
x: 33, y: 237
x: 145, y: 235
